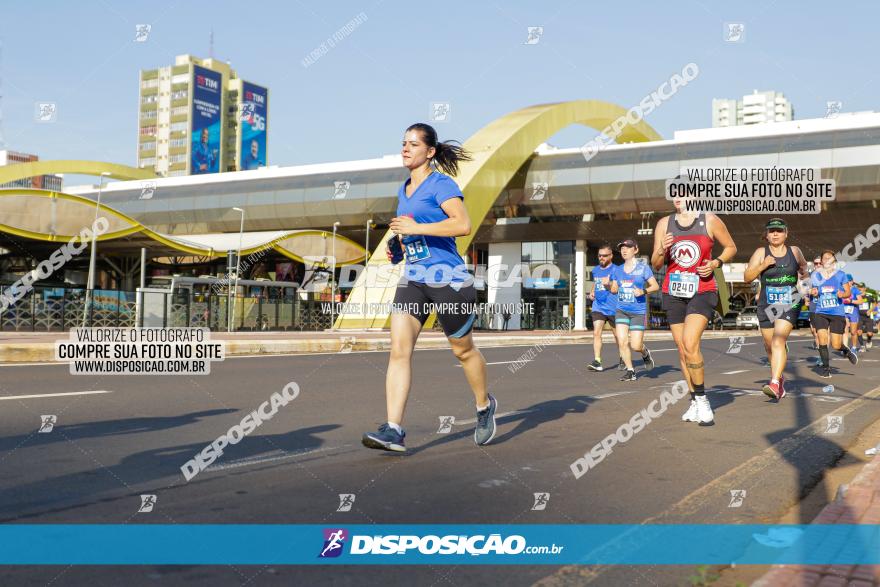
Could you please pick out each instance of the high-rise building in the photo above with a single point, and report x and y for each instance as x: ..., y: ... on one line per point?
x: 40, y: 182
x: 755, y: 108
x: 197, y: 116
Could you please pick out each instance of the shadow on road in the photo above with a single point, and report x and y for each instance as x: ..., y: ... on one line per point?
x: 528, y: 419
x: 105, y: 428
x: 135, y: 471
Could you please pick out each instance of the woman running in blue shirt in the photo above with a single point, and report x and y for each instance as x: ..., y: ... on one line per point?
x: 430, y: 214
x: 829, y: 286
x: 632, y: 281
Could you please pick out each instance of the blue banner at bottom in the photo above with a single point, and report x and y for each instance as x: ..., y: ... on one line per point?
x: 524, y: 544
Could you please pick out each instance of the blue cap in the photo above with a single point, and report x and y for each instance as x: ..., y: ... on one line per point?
x: 849, y: 277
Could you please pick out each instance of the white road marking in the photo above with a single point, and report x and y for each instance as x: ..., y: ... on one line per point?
x: 260, y: 460
x: 501, y: 362
x: 614, y: 394
x: 40, y: 395
x: 474, y: 420
x: 735, y: 372
x: 675, y: 348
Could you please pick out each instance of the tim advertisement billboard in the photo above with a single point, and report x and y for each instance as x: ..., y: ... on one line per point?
x: 206, y: 121
x: 253, y: 119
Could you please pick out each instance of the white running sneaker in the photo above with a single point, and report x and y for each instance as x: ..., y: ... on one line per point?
x: 691, y: 414
x: 705, y: 417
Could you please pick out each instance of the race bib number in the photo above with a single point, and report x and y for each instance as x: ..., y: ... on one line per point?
x: 417, y: 249
x: 863, y: 306
x: 849, y: 309
x: 683, y: 285
x: 625, y: 294
x: 828, y: 298
x: 779, y: 295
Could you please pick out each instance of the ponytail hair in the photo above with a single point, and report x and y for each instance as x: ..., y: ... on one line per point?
x: 448, y: 154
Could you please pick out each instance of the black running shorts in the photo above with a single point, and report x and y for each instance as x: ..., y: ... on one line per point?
x: 836, y: 324
x: 767, y: 315
x: 677, y: 309
x: 454, y: 305
x: 596, y: 316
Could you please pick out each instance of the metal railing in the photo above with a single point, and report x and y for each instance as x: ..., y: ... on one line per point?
x: 53, y: 309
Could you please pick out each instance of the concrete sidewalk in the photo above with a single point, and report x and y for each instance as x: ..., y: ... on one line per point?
x: 39, y: 347
x: 860, y: 504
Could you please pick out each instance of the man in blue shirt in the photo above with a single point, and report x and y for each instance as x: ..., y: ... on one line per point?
x: 851, y: 308
x: 204, y: 159
x: 252, y: 160
x: 604, y: 305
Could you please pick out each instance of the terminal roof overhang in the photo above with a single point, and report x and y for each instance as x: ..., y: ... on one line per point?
x: 40, y: 221
x: 620, y: 179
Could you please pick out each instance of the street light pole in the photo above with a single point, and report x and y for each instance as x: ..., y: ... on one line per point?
x: 369, y: 225
x: 90, y: 282
x: 333, y: 282
x: 366, y: 281
x: 237, y: 267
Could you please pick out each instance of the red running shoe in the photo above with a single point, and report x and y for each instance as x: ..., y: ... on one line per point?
x: 773, y: 390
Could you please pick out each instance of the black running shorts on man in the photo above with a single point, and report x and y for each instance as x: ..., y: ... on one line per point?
x: 454, y: 304
x: 597, y: 316
x: 866, y: 325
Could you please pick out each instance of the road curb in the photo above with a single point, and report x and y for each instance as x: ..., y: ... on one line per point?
x: 44, y: 352
x: 860, y: 504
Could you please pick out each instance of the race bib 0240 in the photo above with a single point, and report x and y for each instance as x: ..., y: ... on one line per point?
x: 683, y: 285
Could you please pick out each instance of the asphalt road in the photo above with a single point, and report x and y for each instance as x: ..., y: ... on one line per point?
x: 106, y: 449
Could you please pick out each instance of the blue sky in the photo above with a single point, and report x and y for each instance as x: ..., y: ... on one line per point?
x: 357, y: 99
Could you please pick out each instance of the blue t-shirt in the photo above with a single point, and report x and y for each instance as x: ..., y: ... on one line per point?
x: 848, y: 307
x: 626, y: 282
x: 203, y: 154
x: 605, y: 302
x: 431, y: 259
x: 827, y: 302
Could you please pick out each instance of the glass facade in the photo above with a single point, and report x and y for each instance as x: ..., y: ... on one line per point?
x: 550, y: 297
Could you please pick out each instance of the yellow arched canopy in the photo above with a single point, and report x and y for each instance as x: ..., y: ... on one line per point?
x: 10, y: 173
x: 58, y: 217
x: 499, y: 149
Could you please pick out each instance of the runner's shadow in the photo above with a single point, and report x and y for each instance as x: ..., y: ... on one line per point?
x: 722, y: 395
x: 528, y: 419
x: 657, y: 372
x: 73, y: 432
x: 137, y: 472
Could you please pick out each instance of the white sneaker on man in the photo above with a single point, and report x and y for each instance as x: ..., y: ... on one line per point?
x: 705, y: 417
x: 691, y: 414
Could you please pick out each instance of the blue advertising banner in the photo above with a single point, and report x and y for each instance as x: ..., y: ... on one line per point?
x: 253, y: 118
x: 438, y: 544
x: 206, y: 121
